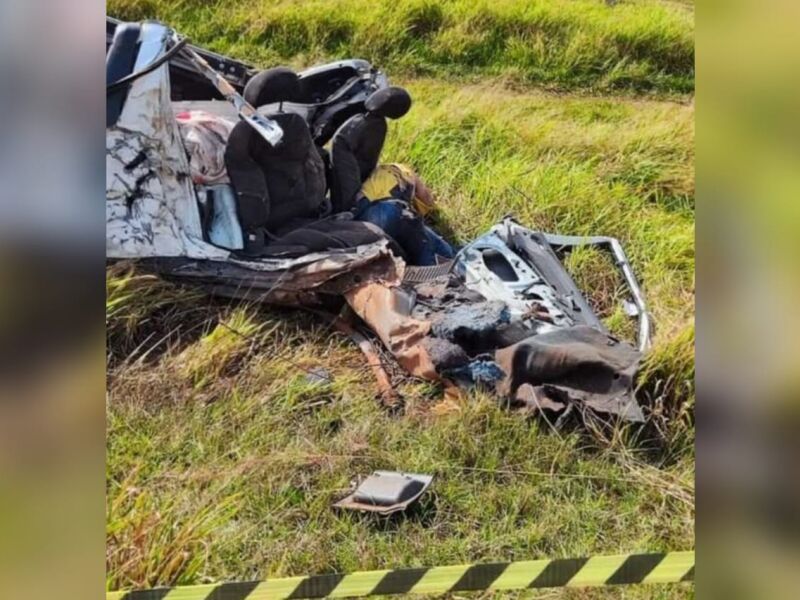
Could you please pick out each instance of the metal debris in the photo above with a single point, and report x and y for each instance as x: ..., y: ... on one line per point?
x: 513, y: 322
x: 318, y: 376
x: 386, y: 492
x: 389, y: 395
x: 504, y: 314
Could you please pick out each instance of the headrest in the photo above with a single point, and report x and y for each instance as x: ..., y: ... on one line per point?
x: 392, y: 102
x: 273, y: 85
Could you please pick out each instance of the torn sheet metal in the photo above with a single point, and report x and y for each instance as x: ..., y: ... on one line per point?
x: 306, y: 281
x: 504, y: 315
x: 634, y: 308
x: 511, y: 321
x: 575, y: 365
x: 489, y: 267
x: 532, y: 274
x: 151, y: 207
x: 389, y: 396
x: 386, y: 492
x: 386, y: 309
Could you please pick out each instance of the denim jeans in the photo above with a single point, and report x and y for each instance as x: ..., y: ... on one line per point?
x: 420, y: 243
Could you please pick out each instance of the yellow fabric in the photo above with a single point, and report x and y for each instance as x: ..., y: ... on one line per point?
x: 389, y: 181
x: 394, y: 180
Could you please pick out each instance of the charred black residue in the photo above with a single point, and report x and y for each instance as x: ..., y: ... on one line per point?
x: 137, y: 160
x: 138, y: 190
x: 147, y: 229
x: 474, y: 326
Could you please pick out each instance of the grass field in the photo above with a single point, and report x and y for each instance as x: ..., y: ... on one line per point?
x: 223, y: 457
x: 644, y: 45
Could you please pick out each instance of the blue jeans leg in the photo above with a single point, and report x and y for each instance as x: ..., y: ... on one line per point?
x: 420, y: 243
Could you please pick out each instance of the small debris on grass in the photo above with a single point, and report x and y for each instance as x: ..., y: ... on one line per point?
x: 386, y: 492
x: 318, y: 376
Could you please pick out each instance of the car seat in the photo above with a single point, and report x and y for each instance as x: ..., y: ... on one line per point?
x: 357, y: 144
x: 120, y: 59
x: 274, y: 184
x: 324, y: 235
x: 338, y: 91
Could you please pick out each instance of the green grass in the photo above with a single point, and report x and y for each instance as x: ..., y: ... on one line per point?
x: 569, y: 165
x: 234, y: 478
x: 640, y: 46
x: 223, y: 458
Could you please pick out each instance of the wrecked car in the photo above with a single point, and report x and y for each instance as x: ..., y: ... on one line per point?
x: 255, y: 185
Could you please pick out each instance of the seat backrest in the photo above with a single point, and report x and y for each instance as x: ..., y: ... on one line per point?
x: 357, y: 144
x: 275, y: 184
x: 120, y: 59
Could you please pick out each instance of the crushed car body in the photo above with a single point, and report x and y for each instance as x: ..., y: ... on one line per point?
x: 252, y: 185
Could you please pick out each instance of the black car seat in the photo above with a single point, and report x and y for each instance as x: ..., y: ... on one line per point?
x: 274, y: 185
x: 338, y: 91
x: 120, y: 59
x: 357, y: 144
x: 323, y: 235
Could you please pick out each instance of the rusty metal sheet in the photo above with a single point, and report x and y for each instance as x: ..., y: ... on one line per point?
x: 389, y: 395
x: 300, y: 282
x: 381, y: 307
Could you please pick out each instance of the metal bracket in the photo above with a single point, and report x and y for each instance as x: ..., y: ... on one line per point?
x: 613, y: 245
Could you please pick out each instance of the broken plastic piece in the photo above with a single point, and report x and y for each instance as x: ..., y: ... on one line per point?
x: 386, y: 492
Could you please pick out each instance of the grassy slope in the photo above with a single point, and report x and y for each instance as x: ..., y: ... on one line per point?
x: 643, y: 46
x: 223, y: 459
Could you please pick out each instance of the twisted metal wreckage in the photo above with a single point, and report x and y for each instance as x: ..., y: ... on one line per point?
x: 503, y: 314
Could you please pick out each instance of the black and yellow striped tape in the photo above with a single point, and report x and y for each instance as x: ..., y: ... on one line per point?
x: 570, y: 572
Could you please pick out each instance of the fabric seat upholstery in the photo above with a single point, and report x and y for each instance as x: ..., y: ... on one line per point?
x: 120, y: 60
x: 274, y: 184
x: 327, y: 234
x: 357, y: 144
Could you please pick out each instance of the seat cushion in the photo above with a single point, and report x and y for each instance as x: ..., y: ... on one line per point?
x: 321, y: 236
x: 294, y: 172
x: 355, y: 153
x: 275, y: 184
